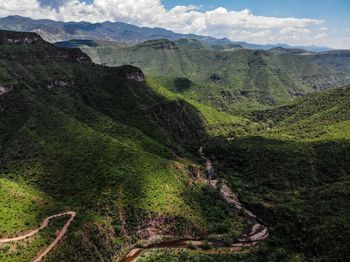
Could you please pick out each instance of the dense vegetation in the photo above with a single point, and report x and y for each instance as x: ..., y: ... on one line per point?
x: 295, y: 174
x: 229, y: 78
x: 104, y: 142
x: 120, y: 149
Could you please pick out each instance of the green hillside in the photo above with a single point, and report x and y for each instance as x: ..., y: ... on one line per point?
x: 317, y: 117
x: 120, y: 149
x: 104, y: 142
x: 295, y: 173
x: 229, y: 79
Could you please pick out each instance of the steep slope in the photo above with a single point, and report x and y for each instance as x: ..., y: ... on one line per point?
x: 104, y: 142
x: 323, y: 116
x: 229, y: 80
x: 295, y: 173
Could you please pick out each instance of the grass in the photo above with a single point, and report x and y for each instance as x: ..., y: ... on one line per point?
x: 26, y: 250
x: 217, y: 123
x: 82, y: 137
x: 122, y: 153
x: 294, y: 174
x: 246, y: 79
x: 196, y: 255
x: 21, y: 207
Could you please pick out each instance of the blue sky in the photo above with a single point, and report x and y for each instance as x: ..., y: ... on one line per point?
x: 335, y: 12
x: 297, y: 22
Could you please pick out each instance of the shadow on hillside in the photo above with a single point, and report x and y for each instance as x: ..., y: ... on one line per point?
x: 173, y: 122
x: 182, y: 84
x: 281, y: 164
x: 102, y: 146
x: 299, y: 189
x: 95, y: 139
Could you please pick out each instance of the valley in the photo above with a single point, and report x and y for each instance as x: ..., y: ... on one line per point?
x: 257, y: 233
x: 111, y: 131
x: 228, y: 78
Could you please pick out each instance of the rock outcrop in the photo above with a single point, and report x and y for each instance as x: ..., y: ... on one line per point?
x: 15, y: 38
x: 4, y: 89
x: 131, y: 73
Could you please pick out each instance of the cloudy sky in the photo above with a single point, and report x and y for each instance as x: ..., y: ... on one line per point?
x: 296, y: 22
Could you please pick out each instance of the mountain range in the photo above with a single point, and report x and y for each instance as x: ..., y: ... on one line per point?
x: 122, y: 134
x: 54, y: 31
x: 229, y: 77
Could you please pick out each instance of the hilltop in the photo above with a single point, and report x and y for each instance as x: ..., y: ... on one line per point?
x: 230, y: 78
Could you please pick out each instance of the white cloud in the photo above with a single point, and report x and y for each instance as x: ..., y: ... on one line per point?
x: 220, y: 22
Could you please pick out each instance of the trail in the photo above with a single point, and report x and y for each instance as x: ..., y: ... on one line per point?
x: 258, y: 231
x: 43, y: 225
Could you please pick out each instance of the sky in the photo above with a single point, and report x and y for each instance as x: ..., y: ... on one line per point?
x: 295, y: 22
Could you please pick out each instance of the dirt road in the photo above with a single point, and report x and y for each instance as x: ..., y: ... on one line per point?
x: 44, y: 224
x: 257, y: 233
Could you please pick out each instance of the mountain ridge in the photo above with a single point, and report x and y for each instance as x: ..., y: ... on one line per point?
x: 228, y: 77
x: 54, y: 31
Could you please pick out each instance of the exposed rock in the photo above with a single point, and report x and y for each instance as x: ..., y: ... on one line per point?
x: 160, y: 227
x: 137, y: 76
x: 130, y: 72
x: 4, y: 89
x: 62, y: 84
x: 15, y: 38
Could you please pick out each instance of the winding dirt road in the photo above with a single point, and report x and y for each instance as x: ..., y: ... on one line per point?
x: 43, y: 225
x: 257, y: 233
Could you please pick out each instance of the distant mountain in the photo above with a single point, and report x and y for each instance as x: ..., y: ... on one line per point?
x: 54, y: 31
x: 311, y: 48
x: 288, y: 50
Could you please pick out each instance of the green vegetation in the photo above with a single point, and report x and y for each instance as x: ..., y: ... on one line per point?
x: 26, y: 250
x: 120, y: 149
x: 20, y: 207
x: 317, y: 117
x: 219, y: 256
x: 229, y: 78
x: 91, y: 139
x: 295, y: 174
